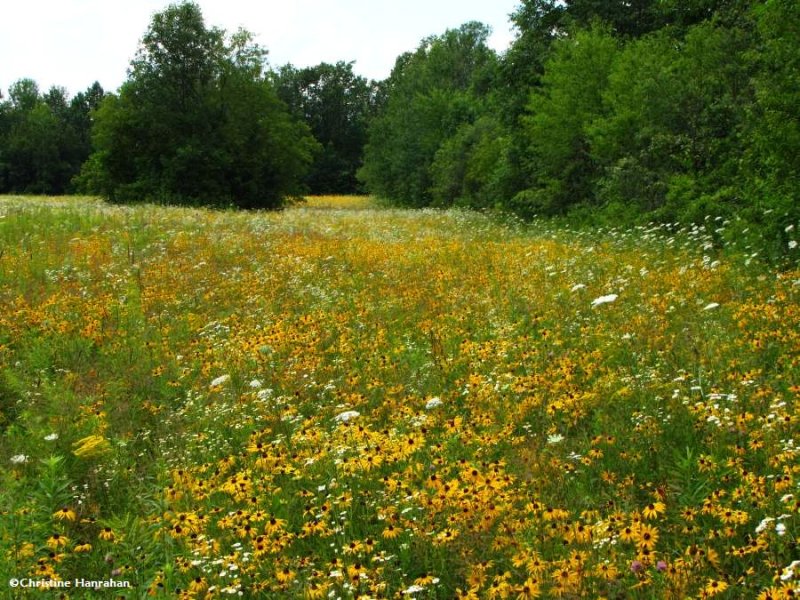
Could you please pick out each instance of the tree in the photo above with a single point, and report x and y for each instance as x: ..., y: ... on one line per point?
x: 80, y: 115
x: 32, y: 153
x: 777, y: 134
x: 772, y: 157
x: 672, y: 137
x: 560, y: 114
x: 430, y: 94
x: 42, y: 143
x: 682, y: 14
x: 626, y: 18
x: 538, y: 23
x: 336, y: 104
x: 5, y: 125
x: 197, y: 122
x: 470, y: 168
x: 24, y: 94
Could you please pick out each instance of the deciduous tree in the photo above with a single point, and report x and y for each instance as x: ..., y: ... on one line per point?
x: 430, y: 94
x: 198, y: 122
x: 336, y: 104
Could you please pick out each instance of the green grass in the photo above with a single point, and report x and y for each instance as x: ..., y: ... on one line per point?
x: 172, y: 383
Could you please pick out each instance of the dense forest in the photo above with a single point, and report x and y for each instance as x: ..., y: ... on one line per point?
x: 607, y: 111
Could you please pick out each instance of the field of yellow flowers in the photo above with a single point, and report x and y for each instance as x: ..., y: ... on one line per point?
x: 345, y: 401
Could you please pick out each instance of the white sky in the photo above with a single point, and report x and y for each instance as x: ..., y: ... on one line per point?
x: 72, y: 43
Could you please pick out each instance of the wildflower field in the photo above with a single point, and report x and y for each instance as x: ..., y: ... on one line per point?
x: 345, y: 401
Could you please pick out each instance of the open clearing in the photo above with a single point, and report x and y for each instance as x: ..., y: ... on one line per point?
x: 342, y: 401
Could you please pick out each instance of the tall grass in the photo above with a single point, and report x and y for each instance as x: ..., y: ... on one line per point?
x: 374, y: 403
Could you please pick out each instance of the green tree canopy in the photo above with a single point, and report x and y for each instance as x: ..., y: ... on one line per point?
x: 675, y: 110
x: 336, y: 104
x: 777, y: 132
x: 430, y: 94
x: 44, y: 138
x: 197, y: 122
x: 560, y: 114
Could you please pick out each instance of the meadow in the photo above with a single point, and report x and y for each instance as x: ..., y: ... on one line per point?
x: 341, y: 400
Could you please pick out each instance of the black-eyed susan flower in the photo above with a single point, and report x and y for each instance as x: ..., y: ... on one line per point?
x: 198, y: 585
x: 284, y: 574
x: 65, y: 513
x: 714, y: 587
x: 316, y: 590
x: 646, y: 537
x: 57, y: 540
x: 653, y: 510
x: 528, y: 590
x: 390, y: 532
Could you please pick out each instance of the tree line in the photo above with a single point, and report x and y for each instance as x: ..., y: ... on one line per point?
x: 616, y: 110
x: 44, y: 137
x: 200, y: 120
x: 607, y: 111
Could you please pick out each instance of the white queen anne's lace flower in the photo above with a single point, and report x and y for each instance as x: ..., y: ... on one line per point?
x: 219, y: 380
x: 788, y: 571
x: 413, y: 589
x: 433, y: 403
x: 346, y: 416
x: 764, y: 524
x: 604, y: 300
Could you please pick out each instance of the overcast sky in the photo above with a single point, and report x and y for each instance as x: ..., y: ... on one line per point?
x: 72, y: 43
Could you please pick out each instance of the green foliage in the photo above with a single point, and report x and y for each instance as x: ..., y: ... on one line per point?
x: 561, y: 113
x: 609, y: 111
x: 777, y: 136
x: 431, y: 94
x: 197, y: 122
x: 470, y: 168
x: 672, y: 130
x: 772, y: 162
x: 627, y: 18
x: 10, y: 398
x: 336, y: 104
x: 682, y: 13
x: 613, y: 112
x: 44, y: 138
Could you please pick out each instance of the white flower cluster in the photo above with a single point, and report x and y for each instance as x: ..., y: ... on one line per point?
x: 346, y: 416
x: 780, y: 527
x: 433, y: 403
x: 788, y: 572
x: 219, y: 381
x: 604, y: 300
